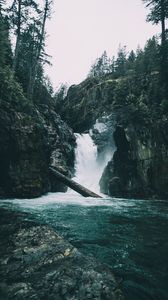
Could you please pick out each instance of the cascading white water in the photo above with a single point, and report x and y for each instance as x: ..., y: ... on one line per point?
x: 88, y: 168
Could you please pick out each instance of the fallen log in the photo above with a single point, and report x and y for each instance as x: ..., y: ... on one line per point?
x: 73, y: 184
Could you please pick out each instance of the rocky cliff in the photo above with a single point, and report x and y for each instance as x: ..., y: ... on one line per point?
x: 139, y: 166
x: 84, y: 103
x: 31, y: 139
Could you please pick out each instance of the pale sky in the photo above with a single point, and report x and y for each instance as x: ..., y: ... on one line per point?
x: 80, y: 30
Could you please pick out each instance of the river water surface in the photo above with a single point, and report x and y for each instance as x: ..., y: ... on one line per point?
x: 131, y: 236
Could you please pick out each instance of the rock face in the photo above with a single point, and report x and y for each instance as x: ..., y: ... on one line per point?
x: 36, y: 263
x: 30, y: 140
x: 85, y: 103
x: 139, y: 166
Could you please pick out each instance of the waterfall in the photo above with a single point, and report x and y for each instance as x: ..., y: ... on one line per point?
x: 88, y: 167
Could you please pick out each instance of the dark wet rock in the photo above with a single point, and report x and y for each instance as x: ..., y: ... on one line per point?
x: 86, y: 102
x: 36, y: 263
x: 140, y: 161
x: 115, y: 187
x: 30, y: 141
x: 101, y: 133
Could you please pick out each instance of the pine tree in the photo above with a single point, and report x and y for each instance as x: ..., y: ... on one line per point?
x: 159, y: 14
x: 101, y: 66
x: 28, y: 20
x: 39, y: 49
x: 5, y: 47
x: 121, y: 61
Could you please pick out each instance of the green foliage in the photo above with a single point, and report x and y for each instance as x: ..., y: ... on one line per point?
x: 159, y: 14
x: 42, y: 93
x: 158, y: 10
x: 27, y: 21
x: 5, y: 48
x: 120, y: 64
x: 11, y: 91
x: 151, y: 56
x: 31, y: 56
x: 61, y: 92
x: 121, y: 93
x: 142, y: 62
x: 132, y: 85
x: 164, y: 106
x: 130, y: 61
x: 101, y: 66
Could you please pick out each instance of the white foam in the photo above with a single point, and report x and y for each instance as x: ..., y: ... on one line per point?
x: 88, y: 168
x: 61, y: 199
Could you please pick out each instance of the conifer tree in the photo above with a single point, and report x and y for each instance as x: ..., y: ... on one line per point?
x: 40, y: 47
x: 101, y: 66
x: 121, y: 61
x: 5, y: 47
x: 28, y: 20
x: 159, y: 14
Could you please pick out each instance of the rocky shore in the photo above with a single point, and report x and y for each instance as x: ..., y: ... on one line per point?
x: 37, y: 264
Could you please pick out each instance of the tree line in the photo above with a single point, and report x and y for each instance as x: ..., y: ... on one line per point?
x: 142, y: 61
x: 22, y: 29
x: 150, y: 61
x: 22, y: 48
x: 158, y: 14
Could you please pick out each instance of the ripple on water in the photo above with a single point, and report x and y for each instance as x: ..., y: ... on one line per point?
x: 129, y: 235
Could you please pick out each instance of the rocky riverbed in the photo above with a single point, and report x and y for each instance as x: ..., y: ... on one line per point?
x: 36, y: 263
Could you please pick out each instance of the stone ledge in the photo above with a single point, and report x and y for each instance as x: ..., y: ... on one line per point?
x: 36, y: 263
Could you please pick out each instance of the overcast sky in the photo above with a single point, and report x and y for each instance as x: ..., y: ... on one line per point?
x: 80, y: 30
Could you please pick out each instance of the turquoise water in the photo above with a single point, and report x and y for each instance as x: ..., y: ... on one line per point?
x: 131, y: 236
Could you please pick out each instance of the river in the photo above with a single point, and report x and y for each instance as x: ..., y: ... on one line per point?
x: 130, y: 236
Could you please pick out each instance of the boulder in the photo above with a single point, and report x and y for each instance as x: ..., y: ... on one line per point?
x: 36, y: 264
x: 115, y: 187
